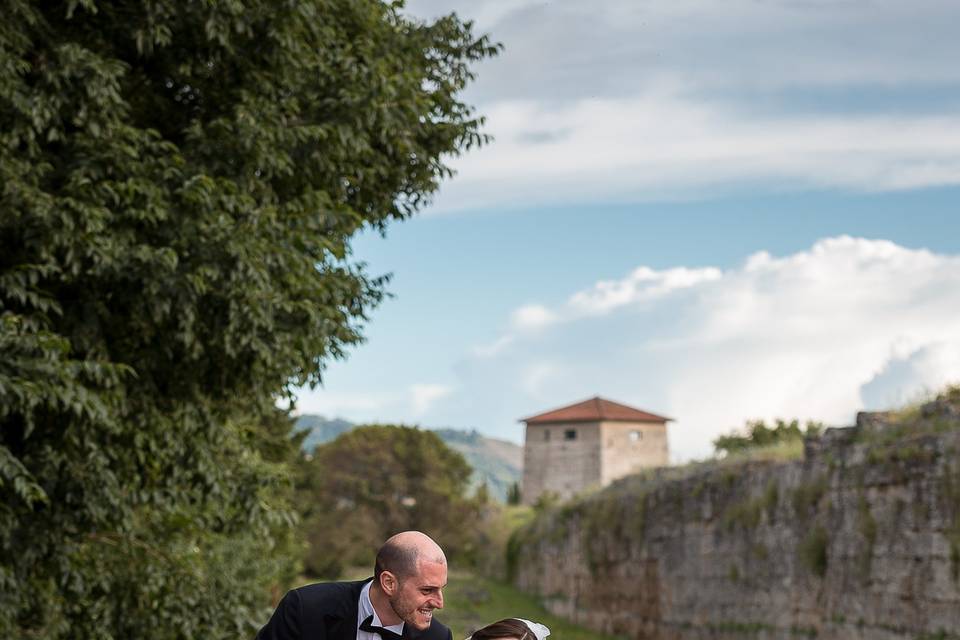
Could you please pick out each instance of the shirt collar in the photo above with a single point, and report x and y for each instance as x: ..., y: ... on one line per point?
x: 366, y: 609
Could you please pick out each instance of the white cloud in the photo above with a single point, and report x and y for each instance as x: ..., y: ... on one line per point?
x: 663, y: 144
x: 535, y: 378
x: 912, y: 376
x: 374, y: 406
x: 390, y: 406
x: 623, y: 101
x: 493, y: 348
x: 532, y: 317
x: 423, y: 396
x: 572, y: 49
x: 643, y: 284
x: 346, y: 403
x: 819, y: 334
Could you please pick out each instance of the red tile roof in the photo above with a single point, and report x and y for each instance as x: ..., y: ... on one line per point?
x: 593, y: 410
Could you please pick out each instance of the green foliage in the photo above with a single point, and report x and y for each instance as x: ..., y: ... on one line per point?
x: 936, y: 414
x: 513, y: 494
x: 738, y: 627
x: 942, y: 634
x: 950, y: 491
x: 954, y: 540
x: 547, y: 521
x: 606, y: 520
x: 375, y: 481
x: 741, y: 628
x: 482, y: 495
x: 771, y: 498
x: 179, y: 183
x: 494, y: 532
x: 867, y: 526
x: 897, y: 454
x: 734, y: 573
x: 513, y: 550
x: 813, y: 551
x: 546, y: 501
x: 472, y: 601
x: 760, y: 551
x: 758, y: 434
x: 495, y: 463
x: 807, y: 496
x: 926, y: 406
x: 748, y: 513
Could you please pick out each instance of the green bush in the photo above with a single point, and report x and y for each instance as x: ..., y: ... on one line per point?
x: 807, y: 495
x: 813, y: 551
x: 759, y: 435
x: 377, y: 480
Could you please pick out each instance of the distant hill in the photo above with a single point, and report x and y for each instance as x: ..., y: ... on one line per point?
x: 320, y: 429
x: 496, y: 462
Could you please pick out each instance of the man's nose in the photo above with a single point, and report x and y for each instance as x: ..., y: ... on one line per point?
x: 438, y: 601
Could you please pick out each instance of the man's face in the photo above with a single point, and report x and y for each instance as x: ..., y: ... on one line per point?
x: 420, y: 594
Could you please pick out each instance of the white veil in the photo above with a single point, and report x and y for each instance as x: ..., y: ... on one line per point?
x: 539, y: 630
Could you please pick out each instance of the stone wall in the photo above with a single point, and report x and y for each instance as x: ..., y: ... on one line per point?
x: 858, y: 540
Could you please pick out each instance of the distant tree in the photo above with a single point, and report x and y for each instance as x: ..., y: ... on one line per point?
x: 482, y: 494
x: 179, y: 184
x: 377, y: 480
x: 513, y: 494
x: 758, y: 434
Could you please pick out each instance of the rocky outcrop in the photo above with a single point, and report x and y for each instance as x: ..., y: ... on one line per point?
x: 860, y: 539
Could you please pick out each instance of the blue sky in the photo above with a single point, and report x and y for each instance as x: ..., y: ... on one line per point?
x: 711, y: 212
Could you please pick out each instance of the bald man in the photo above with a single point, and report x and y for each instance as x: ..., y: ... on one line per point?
x: 396, y: 603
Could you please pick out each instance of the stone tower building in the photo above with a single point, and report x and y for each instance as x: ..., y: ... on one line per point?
x: 587, y: 444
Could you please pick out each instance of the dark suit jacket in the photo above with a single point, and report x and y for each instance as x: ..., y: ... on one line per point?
x: 328, y: 611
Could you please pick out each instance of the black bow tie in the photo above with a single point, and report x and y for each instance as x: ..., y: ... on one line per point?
x: 385, y: 634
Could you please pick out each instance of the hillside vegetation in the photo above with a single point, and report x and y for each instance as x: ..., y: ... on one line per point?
x: 472, y: 600
x: 494, y: 463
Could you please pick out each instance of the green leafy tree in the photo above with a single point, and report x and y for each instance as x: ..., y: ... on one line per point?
x: 377, y: 480
x: 513, y: 494
x: 758, y: 434
x: 179, y: 183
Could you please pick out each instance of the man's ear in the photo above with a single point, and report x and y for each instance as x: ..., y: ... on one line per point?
x: 389, y: 583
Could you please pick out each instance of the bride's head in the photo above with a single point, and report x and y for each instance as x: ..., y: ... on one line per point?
x: 511, y: 629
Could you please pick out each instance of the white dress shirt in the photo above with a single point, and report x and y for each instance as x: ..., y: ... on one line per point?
x: 365, y: 610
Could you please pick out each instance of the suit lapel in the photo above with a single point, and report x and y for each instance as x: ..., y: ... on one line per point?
x: 343, y: 625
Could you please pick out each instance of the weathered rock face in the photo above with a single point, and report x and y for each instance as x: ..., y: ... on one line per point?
x: 859, y: 540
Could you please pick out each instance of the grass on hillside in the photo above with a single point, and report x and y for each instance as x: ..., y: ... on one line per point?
x: 785, y: 451
x: 914, y: 420
x: 471, y: 601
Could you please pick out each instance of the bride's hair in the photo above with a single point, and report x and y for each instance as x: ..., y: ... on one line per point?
x: 506, y: 628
